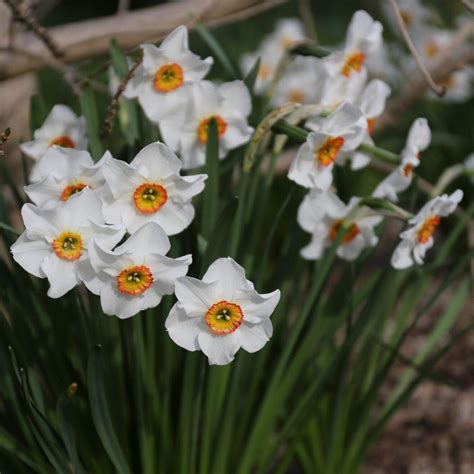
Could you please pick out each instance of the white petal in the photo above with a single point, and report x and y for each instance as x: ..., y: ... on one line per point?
x: 30, y: 254
x: 229, y: 276
x: 220, y: 350
x: 195, y: 296
x: 257, y: 307
x: 150, y: 238
x: 315, y: 249
x: 93, y: 280
x: 372, y: 101
x: 182, y: 329
x: 61, y: 274
x: 40, y: 222
x: 176, y: 41
x: 46, y: 191
x: 253, y: 338
x: 236, y: 98
x: 167, y: 270
x: 402, y: 255
x: 158, y: 160
x: 184, y: 188
x: 121, y: 177
x: 302, y: 167
x: 419, y: 136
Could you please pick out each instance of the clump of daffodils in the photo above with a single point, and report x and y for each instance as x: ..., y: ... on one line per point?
x: 107, y: 224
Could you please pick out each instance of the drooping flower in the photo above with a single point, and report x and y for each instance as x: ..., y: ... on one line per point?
x: 302, y: 82
x: 341, y: 131
x: 418, y: 238
x: 364, y: 37
x: 221, y: 313
x: 62, y: 172
x: 57, y: 239
x: 322, y: 214
x: 61, y: 128
x: 372, y: 104
x: 150, y: 189
x: 136, y: 275
x: 187, y: 130
x: 159, y: 81
x: 419, y: 138
x: 288, y: 31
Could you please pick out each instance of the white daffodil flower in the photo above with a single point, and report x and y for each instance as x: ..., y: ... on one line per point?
x: 186, y: 131
x: 419, y: 138
x: 62, y: 128
x: 322, y: 214
x: 372, y: 104
x: 150, y: 189
x: 63, y: 172
x: 159, y: 82
x: 221, y: 313
x: 136, y: 275
x: 57, y: 239
x: 302, y: 82
x: 363, y: 38
x: 418, y: 238
x: 287, y: 32
x: 343, y: 130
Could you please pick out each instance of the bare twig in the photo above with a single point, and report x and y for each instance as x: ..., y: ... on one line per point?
x: 23, y: 15
x: 112, y: 109
x: 3, y: 139
x: 468, y: 5
x: 403, y: 29
x: 90, y: 38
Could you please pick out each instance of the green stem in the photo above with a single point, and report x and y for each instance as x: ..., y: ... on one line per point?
x: 300, y: 134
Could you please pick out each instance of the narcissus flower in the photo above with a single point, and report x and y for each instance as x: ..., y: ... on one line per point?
x: 341, y: 131
x: 134, y: 276
x: 322, y: 214
x: 372, y: 104
x: 364, y: 37
x: 419, y: 138
x: 418, y: 238
x: 302, y: 82
x: 221, y: 313
x: 61, y: 128
x: 57, y: 239
x: 150, y: 189
x: 288, y: 31
x: 63, y: 172
x: 159, y: 81
x: 187, y: 131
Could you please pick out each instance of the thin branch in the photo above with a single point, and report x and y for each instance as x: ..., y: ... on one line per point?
x: 24, y: 16
x: 403, y: 29
x: 86, y: 39
x: 468, y: 5
x: 306, y: 14
x: 112, y: 109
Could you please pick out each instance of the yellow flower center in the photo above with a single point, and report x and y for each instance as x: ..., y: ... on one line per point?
x: 327, y: 153
x: 149, y: 197
x: 351, y: 234
x: 353, y: 63
x: 134, y: 280
x: 168, y: 78
x: 68, y: 191
x: 68, y: 246
x: 264, y: 71
x: 427, y: 229
x: 224, y: 318
x: 370, y: 125
x: 295, y: 95
x: 203, y: 126
x: 64, y: 141
x: 431, y: 49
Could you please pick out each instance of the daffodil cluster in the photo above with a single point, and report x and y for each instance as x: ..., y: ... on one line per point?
x: 347, y: 99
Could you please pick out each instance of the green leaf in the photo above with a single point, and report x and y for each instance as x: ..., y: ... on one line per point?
x: 101, y: 413
x: 252, y: 75
x: 89, y: 110
x: 217, y: 51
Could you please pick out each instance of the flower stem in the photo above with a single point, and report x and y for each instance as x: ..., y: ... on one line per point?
x: 300, y: 134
